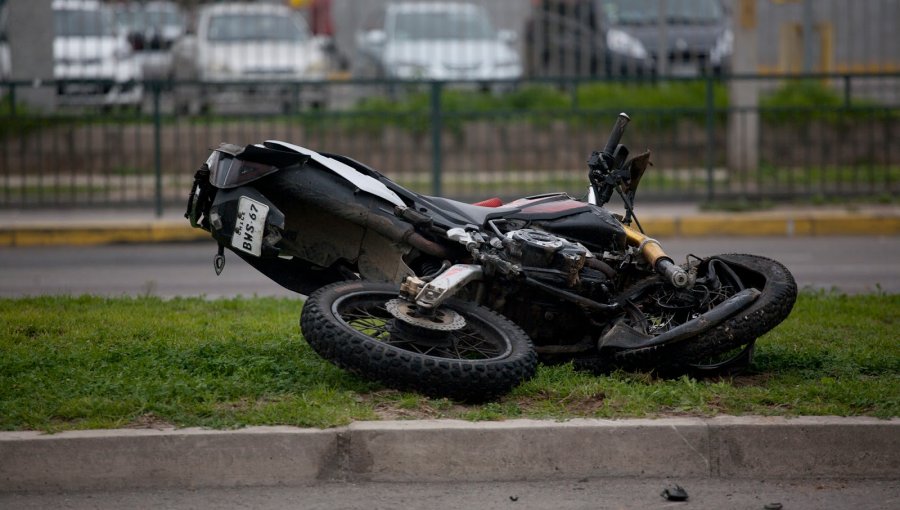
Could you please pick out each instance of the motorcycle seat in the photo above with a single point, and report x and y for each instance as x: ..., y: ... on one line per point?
x: 464, y: 213
x: 490, y: 202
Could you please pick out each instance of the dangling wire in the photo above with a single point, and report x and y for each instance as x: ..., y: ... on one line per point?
x: 629, y: 209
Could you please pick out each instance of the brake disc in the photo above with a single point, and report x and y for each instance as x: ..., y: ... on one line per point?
x: 443, y: 319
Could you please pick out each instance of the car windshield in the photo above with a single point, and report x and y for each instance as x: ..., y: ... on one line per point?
x: 637, y: 12
x: 139, y: 18
x: 441, y: 25
x: 254, y: 27
x: 83, y: 23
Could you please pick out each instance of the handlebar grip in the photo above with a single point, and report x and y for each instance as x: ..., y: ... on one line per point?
x: 617, y: 132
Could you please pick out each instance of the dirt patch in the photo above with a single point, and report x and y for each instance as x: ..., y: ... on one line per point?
x: 747, y: 380
x: 149, y: 421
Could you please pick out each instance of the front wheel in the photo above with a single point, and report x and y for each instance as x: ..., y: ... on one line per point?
x: 463, y: 351
x: 657, y: 307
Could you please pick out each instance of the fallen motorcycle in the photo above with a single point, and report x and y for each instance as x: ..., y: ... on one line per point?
x: 461, y: 300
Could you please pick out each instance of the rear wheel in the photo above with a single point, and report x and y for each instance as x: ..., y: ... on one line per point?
x: 462, y: 351
x: 657, y: 308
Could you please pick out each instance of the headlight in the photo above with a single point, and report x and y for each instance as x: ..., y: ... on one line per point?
x: 218, y: 69
x: 315, y: 69
x: 505, y: 64
x: 507, y: 69
x: 723, y: 48
x: 122, y: 51
x: 126, y: 71
x: 623, y: 43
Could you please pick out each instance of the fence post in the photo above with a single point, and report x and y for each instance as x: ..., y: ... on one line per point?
x: 742, y: 146
x: 157, y: 150
x: 710, y: 137
x: 436, y: 128
x: 12, y: 99
x: 847, y: 93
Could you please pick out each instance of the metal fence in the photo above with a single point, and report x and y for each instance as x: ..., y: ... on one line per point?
x: 453, y: 139
x: 786, y: 100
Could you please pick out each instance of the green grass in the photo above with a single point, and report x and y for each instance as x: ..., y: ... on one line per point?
x: 92, y: 362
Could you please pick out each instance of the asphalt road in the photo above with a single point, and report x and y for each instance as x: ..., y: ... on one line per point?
x: 850, y: 264
x: 593, y: 494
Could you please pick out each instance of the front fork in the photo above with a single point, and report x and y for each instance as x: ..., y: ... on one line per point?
x: 653, y: 253
x: 429, y: 295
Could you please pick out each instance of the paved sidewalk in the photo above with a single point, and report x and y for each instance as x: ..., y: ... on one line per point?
x: 42, y: 227
x: 575, y: 494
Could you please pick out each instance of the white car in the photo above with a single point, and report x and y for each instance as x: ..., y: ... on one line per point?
x: 262, y: 52
x: 151, y: 29
x: 92, y: 63
x: 438, y: 41
x: 5, y: 62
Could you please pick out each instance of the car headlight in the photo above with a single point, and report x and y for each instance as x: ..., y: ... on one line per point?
x: 506, y: 64
x: 219, y: 68
x: 122, y: 51
x: 315, y: 69
x: 624, y: 43
x: 126, y: 71
x: 723, y: 48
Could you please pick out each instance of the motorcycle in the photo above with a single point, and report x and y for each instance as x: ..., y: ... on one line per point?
x: 462, y: 300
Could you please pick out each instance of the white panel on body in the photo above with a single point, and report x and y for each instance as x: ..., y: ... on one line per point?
x: 363, y: 182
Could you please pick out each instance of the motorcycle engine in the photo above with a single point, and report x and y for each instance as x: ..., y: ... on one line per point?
x: 557, y: 262
x: 535, y: 250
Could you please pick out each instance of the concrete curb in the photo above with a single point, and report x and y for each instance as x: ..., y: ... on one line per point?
x: 701, y: 225
x: 447, y: 450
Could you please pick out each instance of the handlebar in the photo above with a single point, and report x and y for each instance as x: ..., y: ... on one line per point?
x: 601, y: 163
x: 616, y: 135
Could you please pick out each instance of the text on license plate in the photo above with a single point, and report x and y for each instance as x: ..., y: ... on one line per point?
x: 249, y: 226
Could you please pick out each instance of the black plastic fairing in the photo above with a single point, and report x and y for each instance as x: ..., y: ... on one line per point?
x: 232, y: 165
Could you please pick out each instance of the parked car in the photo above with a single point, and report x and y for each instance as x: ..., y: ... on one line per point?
x: 152, y: 25
x: 262, y: 53
x: 437, y: 41
x: 151, y: 29
x: 627, y: 37
x: 93, y: 65
x: 5, y: 60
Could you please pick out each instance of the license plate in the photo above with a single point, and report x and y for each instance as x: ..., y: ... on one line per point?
x: 249, y: 226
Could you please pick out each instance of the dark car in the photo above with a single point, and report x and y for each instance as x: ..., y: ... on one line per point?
x: 627, y: 37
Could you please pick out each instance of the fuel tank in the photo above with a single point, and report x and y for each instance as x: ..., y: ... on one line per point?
x: 594, y: 227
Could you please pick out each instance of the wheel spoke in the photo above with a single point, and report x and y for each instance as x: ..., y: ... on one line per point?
x: 471, y: 345
x: 370, y: 317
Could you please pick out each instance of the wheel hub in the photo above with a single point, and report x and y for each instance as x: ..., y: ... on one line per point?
x: 442, y: 319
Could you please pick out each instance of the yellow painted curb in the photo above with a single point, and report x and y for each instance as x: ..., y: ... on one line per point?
x: 660, y: 227
x: 861, y: 225
x: 97, y: 235
x: 693, y: 226
x: 730, y: 226
x: 767, y: 225
x: 172, y: 233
